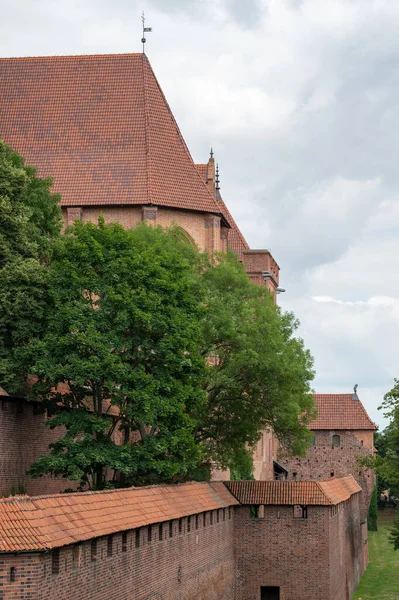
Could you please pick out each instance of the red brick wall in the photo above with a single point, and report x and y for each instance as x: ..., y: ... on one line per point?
x: 282, y: 551
x: 191, y: 565
x: 323, y: 459
x: 23, y: 438
x: 318, y: 558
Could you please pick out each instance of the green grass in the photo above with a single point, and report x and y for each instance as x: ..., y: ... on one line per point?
x: 381, y: 579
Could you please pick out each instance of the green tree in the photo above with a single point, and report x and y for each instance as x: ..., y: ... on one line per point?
x: 121, y: 360
x: 30, y: 220
x: 261, y: 372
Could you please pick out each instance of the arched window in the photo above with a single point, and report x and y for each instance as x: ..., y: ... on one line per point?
x: 336, y: 440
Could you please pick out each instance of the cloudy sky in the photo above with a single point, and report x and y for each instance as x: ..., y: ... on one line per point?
x: 299, y: 99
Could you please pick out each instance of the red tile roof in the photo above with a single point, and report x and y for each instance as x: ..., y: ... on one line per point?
x: 324, y: 493
x: 102, y: 128
x: 37, y: 523
x: 340, y: 411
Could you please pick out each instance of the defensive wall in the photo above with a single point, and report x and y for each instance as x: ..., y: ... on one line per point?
x: 195, y: 541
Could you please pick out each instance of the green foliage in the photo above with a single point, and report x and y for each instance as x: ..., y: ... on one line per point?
x: 30, y: 220
x: 261, y: 372
x: 121, y: 359
x: 372, y: 516
x: 242, y: 465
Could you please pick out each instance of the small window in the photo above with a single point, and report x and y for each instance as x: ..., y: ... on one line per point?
x: 254, y: 511
x: 149, y: 533
x: 12, y: 574
x: 196, y: 521
x: 170, y: 528
x: 294, y: 475
x: 138, y: 538
x: 224, y: 514
x: 217, y: 516
x: 124, y: 541
x: 336, y: 440
x: 211, y: 517
x: 332, y: 474
x: 188, y: 524
x: 300, y: 511
x: 93, y: 550
x: 180, y: 525
x: 312, y: 441
x: 204, y: 519
x: 160, y: 532
x: 55, y: 562
x: 110, y: 545
x: 76, y: 555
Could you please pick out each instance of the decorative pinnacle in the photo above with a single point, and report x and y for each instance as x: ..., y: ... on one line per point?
x: 145, y: 30
x: 217, y: 176
x: 211, y: 152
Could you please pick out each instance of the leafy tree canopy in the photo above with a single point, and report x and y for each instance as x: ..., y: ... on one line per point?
x: 121, y: 361
x: 261, y: 372
x: 30, y: 220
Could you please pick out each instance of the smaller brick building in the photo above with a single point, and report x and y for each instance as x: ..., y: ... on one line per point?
x: 342, y: 432
x: 243, y: 540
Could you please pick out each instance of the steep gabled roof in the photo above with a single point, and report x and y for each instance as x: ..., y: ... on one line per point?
x: 321, y: 493
x: 340, y: 411
x: 102, y: 128
x: 42, y: 522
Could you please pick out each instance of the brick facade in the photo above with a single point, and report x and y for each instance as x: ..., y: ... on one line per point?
x: 317, y: 558
x: 324, y: 460
x: 23, y: 439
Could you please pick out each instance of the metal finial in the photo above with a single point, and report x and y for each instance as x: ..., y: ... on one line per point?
x: 217, y: 176
x: 211, y: 152
x: 145, y: 30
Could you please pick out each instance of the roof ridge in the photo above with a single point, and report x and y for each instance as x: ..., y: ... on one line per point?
x: 146, y: 131
x: 26, y: 498
x: 192, y: 163
x: 69, y: 56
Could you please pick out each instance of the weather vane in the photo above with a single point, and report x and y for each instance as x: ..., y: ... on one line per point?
x: 145, y: 30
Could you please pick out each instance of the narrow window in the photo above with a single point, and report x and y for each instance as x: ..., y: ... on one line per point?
x: 312, y: 441
x: 149, y: 533
x: 300, y: 511
x: 160, y: 532
x: 188, y: 524
x: 254, y: 511
x: 204, y: 519
x: 180, y: 525
x: 76, y: 555
x: 196, y: 521
x: 224, y: 514
x: 110, y: 544
x: 294, y: 474
x: 170, y: 529
x: 217, y: 516
x: 12, y: 574
x: 93, y: 550
x: 336, y: 440
x: 55, y: 561
x: 211, y: 517
x: 332, y: 474
x: 137, y: 538
x: 124, y: 541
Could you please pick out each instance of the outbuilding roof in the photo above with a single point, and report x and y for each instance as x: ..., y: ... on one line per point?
x: 45, y: 522
x: 324, y: 493
x: 101, y: 127
x: 340, y: 411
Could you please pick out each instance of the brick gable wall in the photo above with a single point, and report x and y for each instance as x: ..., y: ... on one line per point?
x: 323, y: 460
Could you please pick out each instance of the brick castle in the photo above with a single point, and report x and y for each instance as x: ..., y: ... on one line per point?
x: 102, y: 128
